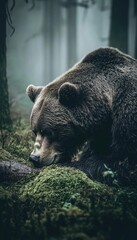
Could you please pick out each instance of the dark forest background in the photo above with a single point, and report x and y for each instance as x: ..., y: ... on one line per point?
x: 41, y: 39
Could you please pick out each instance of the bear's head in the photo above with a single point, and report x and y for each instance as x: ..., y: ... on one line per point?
x: 54, y: 122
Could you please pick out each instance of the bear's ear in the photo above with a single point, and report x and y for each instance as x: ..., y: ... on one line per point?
x: 33, y: 91
x: 68, y: 94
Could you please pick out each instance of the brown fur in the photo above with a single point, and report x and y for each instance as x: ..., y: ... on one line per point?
x: 94, y: 102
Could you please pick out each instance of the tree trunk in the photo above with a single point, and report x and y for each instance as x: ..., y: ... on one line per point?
x: 71, y: 33
x: 119, y: 25
x: 135, y: 12
x: 52, y: 26
x: 4, y: 98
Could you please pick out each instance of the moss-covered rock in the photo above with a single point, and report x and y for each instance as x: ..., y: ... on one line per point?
x: 63, y: 203
x: 58, y: 185
x: 80, y: 207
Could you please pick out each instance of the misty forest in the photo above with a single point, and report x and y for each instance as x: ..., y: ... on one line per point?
x: 39, y: 41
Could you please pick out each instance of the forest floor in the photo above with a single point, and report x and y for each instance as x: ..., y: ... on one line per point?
x: 60, y: 203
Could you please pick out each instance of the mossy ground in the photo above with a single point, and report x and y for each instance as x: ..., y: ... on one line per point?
x: 61, y: 203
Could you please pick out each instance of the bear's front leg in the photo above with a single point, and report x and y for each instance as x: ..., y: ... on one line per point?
x: 100, y: 168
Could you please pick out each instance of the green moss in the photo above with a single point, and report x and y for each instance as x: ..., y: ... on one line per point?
x: 4, y: 155
x: 4, y: 192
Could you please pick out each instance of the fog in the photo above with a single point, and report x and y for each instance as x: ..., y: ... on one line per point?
x: 53, y: 35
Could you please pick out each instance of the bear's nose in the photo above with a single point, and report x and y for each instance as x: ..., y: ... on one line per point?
x: 35, y: 159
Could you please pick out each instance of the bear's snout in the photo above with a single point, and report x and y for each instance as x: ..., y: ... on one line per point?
x: 35, y: 159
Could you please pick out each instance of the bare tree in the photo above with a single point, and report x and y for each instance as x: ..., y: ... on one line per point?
x: 4, y: 97
x: 52, y: 22
x: 119, y: 25
x: 135, y: 12
x: 71, y: 33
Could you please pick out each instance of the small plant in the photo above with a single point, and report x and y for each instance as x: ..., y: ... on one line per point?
x: 110, y: 174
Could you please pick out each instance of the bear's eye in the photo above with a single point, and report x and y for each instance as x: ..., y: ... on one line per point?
x: 47, y: 133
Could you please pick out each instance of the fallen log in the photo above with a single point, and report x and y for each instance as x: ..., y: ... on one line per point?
x: 13, y: 170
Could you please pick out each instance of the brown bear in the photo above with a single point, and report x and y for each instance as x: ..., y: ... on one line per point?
x: 92, y: 106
